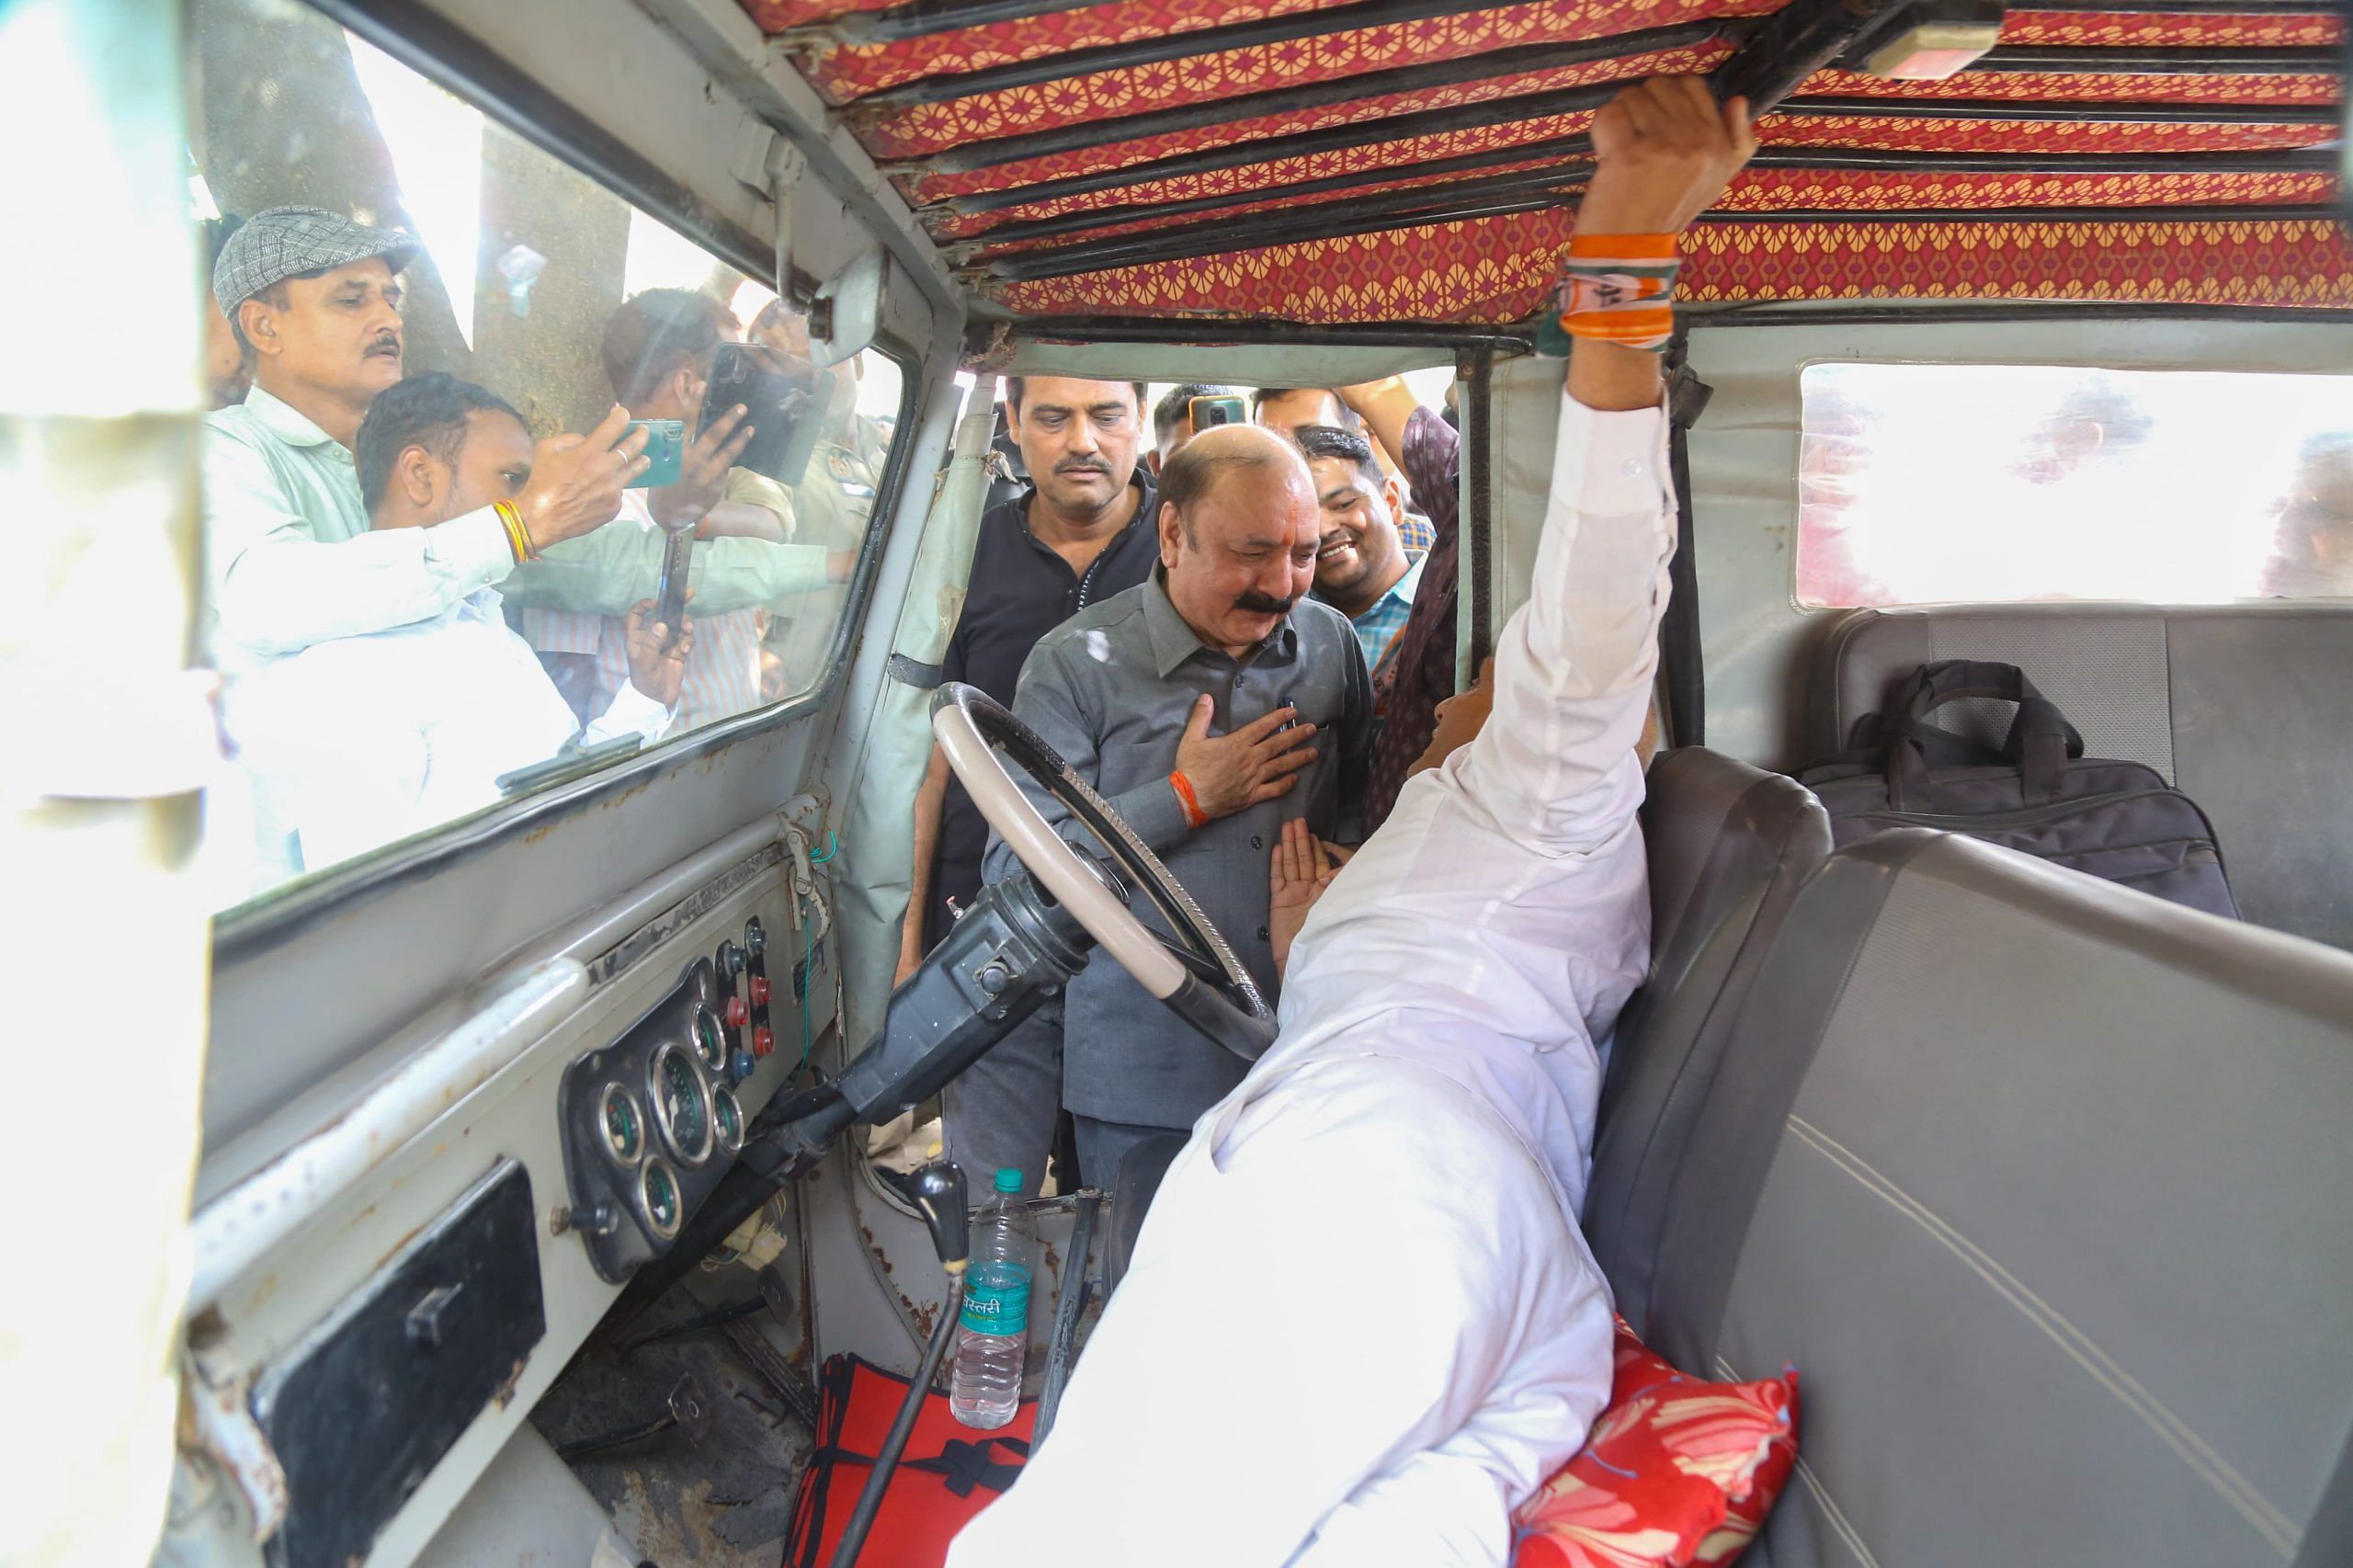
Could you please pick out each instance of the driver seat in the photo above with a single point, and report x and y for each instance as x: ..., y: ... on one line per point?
x: 1132, y: 1190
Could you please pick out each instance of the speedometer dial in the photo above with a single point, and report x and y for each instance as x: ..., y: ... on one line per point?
x: 681, y: 1106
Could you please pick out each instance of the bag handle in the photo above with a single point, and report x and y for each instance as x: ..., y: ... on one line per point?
x: 2040, y: 743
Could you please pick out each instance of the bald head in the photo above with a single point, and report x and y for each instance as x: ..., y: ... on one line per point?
x: 1239, y: 528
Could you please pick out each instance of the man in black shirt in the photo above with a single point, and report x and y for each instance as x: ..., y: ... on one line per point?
x: 1082, y: 531
x: 1085, y: 530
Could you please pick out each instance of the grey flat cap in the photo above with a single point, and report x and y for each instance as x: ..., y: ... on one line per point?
x: 288, y: 241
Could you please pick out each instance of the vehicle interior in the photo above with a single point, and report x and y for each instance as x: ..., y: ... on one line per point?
x: 504, y: 1175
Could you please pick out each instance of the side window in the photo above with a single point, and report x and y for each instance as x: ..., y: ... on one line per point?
x: 424, y: 325
x: 1926, y: 484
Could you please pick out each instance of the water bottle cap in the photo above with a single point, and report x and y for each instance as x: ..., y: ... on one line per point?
x: 1008, y: 1179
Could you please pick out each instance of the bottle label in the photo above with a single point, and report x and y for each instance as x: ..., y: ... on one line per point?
x: 997, y: 1299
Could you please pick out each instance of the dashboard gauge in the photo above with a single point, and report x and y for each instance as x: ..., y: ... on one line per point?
x: 621, y: 1123
x: 657, y: 1198
x: 681, y: 1106
x: 727, y: 1115
x: 711, y: 1041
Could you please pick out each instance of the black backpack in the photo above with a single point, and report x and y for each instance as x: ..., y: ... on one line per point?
x: 2037, y: 793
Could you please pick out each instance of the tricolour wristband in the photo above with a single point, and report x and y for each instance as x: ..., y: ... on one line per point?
x: 1194, y: 815
x: 1618, y: 289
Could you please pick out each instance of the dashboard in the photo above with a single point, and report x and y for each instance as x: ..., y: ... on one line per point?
x: 465, y: 1205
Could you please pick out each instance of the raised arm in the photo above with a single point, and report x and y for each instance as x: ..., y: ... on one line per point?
x: 1574, y: 663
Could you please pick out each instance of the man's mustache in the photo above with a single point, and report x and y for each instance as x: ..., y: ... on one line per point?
x: 391, y: 340
x: 1081, y: 465
x: 1257, y: 603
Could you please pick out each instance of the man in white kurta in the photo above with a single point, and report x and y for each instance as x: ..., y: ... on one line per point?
x: 1360, y: 1322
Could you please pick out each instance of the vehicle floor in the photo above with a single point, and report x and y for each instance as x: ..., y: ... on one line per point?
x: 725, y: 1500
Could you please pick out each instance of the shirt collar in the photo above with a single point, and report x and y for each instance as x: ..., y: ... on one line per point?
x: 1173, y: 641
x: 282, y: 420
x: 1404, y: 588
x: 1147, y: 508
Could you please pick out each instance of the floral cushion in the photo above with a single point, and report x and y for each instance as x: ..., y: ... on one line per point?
x: 1677, y: 1471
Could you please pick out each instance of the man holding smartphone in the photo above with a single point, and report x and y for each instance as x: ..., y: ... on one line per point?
x: 314, y: 299
x: 658, y: 349
x: 397, y: 731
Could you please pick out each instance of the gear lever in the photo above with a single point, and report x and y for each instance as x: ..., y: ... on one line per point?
x: 938, y: 1193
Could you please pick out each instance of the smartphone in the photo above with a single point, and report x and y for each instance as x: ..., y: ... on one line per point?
x: 784, y: 401
x: 670, y: 599
x: 1210, y: 411
x: 666, y: 445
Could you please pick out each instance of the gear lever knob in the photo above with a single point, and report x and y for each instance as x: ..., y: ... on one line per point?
x: 940, y: 1194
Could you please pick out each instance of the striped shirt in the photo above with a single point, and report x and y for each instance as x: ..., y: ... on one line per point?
x: 722, y: 677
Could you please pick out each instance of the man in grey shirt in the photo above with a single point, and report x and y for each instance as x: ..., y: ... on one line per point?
x: 1208, y: 705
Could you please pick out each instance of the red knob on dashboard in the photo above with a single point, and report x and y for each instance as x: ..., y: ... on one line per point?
x: 735, y: 1013
x: 763, y: 1041
x: 759, y: 990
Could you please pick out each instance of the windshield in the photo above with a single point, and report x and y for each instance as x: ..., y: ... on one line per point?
x: 432, y: 584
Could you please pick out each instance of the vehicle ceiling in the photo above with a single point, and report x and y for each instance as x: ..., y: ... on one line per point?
x: 1407, y: 161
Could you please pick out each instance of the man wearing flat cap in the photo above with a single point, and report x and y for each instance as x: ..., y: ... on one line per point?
x: 315, y: 298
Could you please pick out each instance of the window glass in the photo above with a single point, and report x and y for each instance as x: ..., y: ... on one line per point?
x: 410, y: 622
x: 1926, y: 484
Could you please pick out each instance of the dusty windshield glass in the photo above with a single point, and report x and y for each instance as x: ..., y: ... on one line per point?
x: 506, y: 480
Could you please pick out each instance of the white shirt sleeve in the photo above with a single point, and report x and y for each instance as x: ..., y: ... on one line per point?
x: 278, y: 590
x: 1574, y: 663
x: 629, y: 712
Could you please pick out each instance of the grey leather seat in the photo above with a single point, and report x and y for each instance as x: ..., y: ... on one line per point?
x: 1729, y: 846
x: 2043, y: 1185
x: 2247, y: 710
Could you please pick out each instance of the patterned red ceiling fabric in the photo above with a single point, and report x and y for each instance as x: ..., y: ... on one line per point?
x: 849, y: 73
x: 1124, y: 154
x: 2128, y: 29
x: 775, y: 15
x: 1866, y: 191
x: 1777, y: 131
x: 1241, y: 182
x: 843, y: 74
x: 2037, y: 88
x: 1496, y: 269
x: 929, y: 128
x: 2027, y: 135
x: 1112, y: 229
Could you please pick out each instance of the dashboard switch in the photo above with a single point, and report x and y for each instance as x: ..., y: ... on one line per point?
x: 759, y: 988
x: 735, y: 1013
x: 763, y: 1041
x: 739, y: 1066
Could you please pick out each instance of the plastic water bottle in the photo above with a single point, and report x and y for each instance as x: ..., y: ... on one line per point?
x: 993, y: 1337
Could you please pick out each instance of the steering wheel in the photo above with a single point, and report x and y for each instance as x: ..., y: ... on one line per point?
x: 1197, y: 976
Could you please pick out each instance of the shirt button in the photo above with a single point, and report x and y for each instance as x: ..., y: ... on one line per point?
x: 1631, y: 467
x: 1262, y: 934
x: 1256, y: 841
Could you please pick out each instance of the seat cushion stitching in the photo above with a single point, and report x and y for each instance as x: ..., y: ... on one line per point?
x: 1835, y: 1515
x: 2268, y: 1520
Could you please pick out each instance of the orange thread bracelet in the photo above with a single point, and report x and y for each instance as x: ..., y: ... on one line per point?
x: 1194, y: 815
